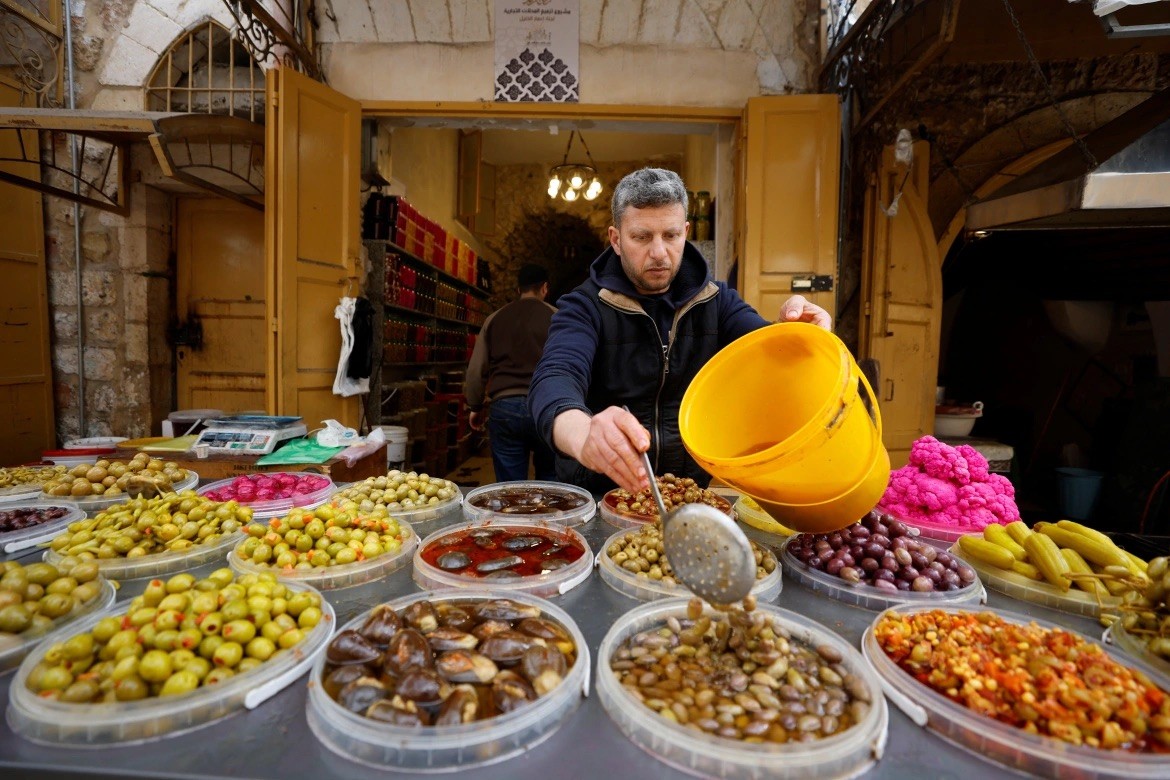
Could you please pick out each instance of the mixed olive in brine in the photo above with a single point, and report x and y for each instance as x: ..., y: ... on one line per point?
x: 516, y: 500
x: 675, y: 491
x: 740, y: 674
x: 442, y: 663
x: 642, y: 553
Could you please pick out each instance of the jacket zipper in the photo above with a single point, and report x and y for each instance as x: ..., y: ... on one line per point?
x: 678, y: 315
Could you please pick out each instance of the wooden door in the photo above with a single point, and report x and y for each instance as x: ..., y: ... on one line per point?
x: 902, y: 307
x: 312, y: 238
x: 220, y: 290
x: 788, y: 223
x: 26, y: 376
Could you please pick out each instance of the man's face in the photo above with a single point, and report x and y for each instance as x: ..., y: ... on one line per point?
x: 650, y: 244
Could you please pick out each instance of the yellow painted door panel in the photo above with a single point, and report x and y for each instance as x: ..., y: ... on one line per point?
x: 312, y: 237
x: 790, y: 172
x: 220, y: 285
x: 902, y: 310
x: 27, y: 425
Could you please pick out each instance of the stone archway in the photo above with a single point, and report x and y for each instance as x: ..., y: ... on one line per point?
x: 565, y: 243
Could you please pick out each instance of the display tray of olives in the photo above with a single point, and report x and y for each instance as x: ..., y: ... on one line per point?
x: 634, y: 563
x: 39, y: 599
x: 623, y: 509
x: 103, y: 483
x: 151, y: 537
x: 27, y: 526
x: 1101, y: 708
x: 24, y: 483
x: 447, y: 680
x: 335, y: 545
x: 549, y: 502
x: 768, y: 692
x: 875, y: 564
x: 407, y: 495
x: 184, y: 653
x: 533, y: 556
x: 270, y: 494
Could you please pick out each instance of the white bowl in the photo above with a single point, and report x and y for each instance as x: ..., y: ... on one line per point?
x: 950, y: 425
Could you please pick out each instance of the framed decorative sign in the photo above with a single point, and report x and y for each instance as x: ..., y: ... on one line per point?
x: 537, y: 47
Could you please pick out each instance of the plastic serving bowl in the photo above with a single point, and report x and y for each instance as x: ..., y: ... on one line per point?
x: 549, y: 584
x: 15, y: 541
x: 936, y: 532
x: 579, y: 516
x: 98, y: 725
x: 340, y: 576
x: 91, y: 506
x: 1000, y: 743
x: 12, y: 652
x: 869, y: 597
x: 755, y: 524
x: 1135, y: 646
x: 262, y: 510
x: 132, y: 574
x: 841, y: 756
x: 646, y: 589
x: 1074, y: 600
x: 619, y: 520
x: 450, y: 748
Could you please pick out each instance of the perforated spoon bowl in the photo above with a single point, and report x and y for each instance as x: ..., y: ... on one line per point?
x: 709, y: 553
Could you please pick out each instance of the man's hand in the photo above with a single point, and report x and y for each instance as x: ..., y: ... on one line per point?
x: 610, y: 442
x: 476, y: 420
x: 799, y: 309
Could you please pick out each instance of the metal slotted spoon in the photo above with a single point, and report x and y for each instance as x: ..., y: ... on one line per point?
x: 709, y: 553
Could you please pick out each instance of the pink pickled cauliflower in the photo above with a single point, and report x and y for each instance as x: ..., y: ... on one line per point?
x: 947, y: 485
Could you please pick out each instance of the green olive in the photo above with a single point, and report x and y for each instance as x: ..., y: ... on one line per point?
x: 126, y: 667
x: 261, y: 648
x: 56, y: 605
x: 81, y: 691
x: 56, y: 678
x: 228, y: 654
x: 218, y: 675
x: 132, y: 688
x: 14, y: 619
x: 155, y: 666
x: 309, y: 618
x: 182, y: 681
x: 41, y: 573
x: 78, y: 646
x: 240, y: 631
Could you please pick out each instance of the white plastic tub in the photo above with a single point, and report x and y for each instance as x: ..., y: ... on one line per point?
x: 275, y: 508
x: 844, y: 755
x: 100, y: 725
x: 12, y: 651
x: 1001, y: 743
x: 565, y: 517
x: 645, y: 589
x: 450, y: 748
x: 94, y: 504
x: 15, y: 541
x: 546, y: 585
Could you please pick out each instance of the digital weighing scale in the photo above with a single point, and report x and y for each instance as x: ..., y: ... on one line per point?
x: 249, y: 434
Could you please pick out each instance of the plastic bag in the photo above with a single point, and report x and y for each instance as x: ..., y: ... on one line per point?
x: 342, y: 384
x: 356, y: 452
x: 299, y: 451
x: 334, y: 434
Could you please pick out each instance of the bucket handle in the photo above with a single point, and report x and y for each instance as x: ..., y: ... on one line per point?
x: 873, y: 404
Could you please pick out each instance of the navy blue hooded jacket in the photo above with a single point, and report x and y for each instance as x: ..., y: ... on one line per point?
x: 608, y: 345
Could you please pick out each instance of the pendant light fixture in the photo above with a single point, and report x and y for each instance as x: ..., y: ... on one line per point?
x: 570, y: 181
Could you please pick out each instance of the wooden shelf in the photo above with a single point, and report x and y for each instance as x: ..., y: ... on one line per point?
x: 439, y: 271
x: 422, y: 314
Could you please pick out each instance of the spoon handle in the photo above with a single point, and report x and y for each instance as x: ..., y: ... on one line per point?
x: 654, y: 485
x: 653, y: 482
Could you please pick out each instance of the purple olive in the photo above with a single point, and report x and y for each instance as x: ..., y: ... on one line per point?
x: 902, y: 584
x: 902, y: 556
x: 881, y: 529
x: 850, y: 574
x: 884, y: 574
x: 874, y: 550
x: 847, y: 558
x: 881, y: 539
x: 946, y: 559
x: 889, y: 562
x: 815, y: 562
x: 833, y: 566
x: 897, y: 528
x: 860, y: 531
x: 918, y: 559
x: 908, y: 573
x: 922, y: 585
x: 869, y: 565
x: 835, y: 540
x: 930, y: 551
x: 966, y: 574
x: 886, y: 586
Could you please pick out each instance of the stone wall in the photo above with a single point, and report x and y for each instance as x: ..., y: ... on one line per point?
x: 563, y: 236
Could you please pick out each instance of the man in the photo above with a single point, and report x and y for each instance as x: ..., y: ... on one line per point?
x: 635, y: 334
x: 506, y: 353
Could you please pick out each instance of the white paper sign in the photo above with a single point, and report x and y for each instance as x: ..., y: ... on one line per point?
x: 537, y: 48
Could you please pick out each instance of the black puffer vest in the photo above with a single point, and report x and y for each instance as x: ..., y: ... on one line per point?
x: 632, y: 368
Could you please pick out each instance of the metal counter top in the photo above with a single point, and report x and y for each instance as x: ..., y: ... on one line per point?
x: 274, y: 740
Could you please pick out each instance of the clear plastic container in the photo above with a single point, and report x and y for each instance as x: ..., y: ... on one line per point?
x: 341, y: 576
x: 756, y: 524
x: 869, y: 597
x: 262, y: 510
x: 1001, y: 743
x: 646, y: 589
x: 14, y: 648
x: 148, y: 567
x: 99, y: 725
x: 446, y: 511
x: 450, y: 748
x: 546, y: 585
x: 91, y: 506
x: 844, y: 755
x: 941, y: 532
x: 1136, y: 647
x: 15, y: 541
x: 609, y: 513
x: 1074, y: 600
x: 568, y: 517
x: 22, y: 494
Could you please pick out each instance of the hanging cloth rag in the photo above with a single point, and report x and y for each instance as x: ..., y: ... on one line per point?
x: 342, y: 384
x: 361, y: 359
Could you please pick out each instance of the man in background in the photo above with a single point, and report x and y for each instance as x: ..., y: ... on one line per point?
x: 509, y: 346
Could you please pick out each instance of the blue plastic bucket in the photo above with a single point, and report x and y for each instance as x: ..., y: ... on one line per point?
x: 1079, y: 491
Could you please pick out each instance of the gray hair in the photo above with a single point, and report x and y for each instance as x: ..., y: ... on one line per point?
x: 647, y: 188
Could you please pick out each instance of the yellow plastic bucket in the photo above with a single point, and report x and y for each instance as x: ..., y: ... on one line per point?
x: 778, y: 414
